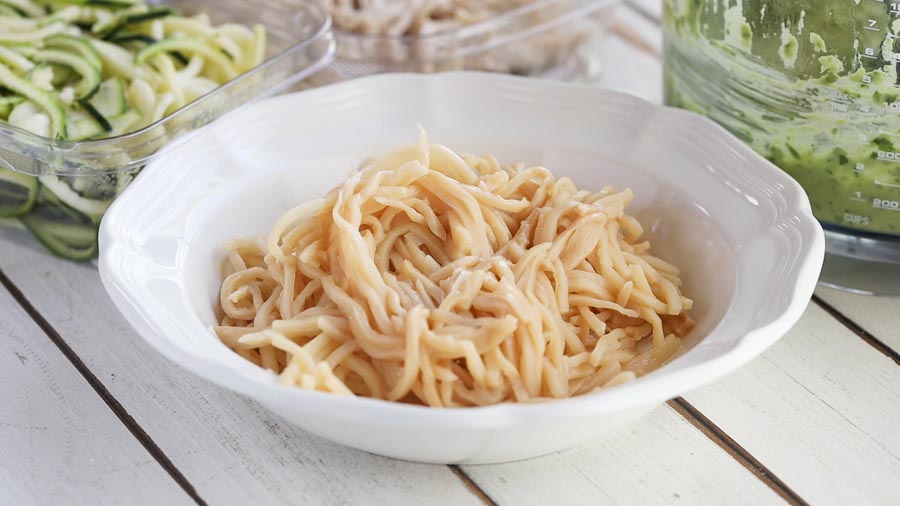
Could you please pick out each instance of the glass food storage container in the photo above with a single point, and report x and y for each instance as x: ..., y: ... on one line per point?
x: 814, y: 86
x: 75, y: 182
x: 547, y: 38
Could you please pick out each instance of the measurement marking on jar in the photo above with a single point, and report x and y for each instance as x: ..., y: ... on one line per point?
x: 888, y: 156
x: 886, y: 205
x: 889, y: 185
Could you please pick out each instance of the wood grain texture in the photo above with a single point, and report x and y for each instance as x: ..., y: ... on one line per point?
x: 651, y: 8
x: 662, y: 459
x: 631, y: 56
x: 59, y: 443
x: 820, y: 410
x: 630, y: 70
x: 879, y: 316
x: 231, y: 449
x: 641, y: 31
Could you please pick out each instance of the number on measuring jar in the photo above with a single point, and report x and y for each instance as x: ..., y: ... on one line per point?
x: 886, y: 204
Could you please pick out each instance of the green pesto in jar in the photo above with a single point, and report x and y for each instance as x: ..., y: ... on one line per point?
x: 811, y: 85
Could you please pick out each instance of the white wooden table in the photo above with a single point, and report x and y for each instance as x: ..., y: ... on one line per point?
x: 90, y: 415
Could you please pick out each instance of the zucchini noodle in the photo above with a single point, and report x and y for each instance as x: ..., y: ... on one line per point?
x: 446, y: 280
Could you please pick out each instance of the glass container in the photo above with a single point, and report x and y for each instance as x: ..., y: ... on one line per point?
x: 812, y: 85
x: 299, y: 44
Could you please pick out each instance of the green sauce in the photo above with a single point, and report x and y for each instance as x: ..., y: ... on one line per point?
x: 811, y: 85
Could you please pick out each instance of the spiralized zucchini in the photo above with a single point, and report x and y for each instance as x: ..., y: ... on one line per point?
x: 68, y: 48
x: 78, y: 70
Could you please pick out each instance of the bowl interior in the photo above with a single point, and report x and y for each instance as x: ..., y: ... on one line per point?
x: 681, y: 230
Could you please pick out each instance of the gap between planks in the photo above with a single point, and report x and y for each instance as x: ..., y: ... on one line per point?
x: 114, y: 405
x: 473, y: 487
x: 134, y: 427
x: 735, y: 450
x: 685, y: 409
x: 862, y: 333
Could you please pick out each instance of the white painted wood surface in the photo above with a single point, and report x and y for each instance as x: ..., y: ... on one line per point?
x: 820, y: 409
x: 877, y: 316
x: 815, y: 417
x: 231, y: 449
x: 631, y: 56
x: 662, y: 459
x: 59, y: 442
x: 651, y: 8
x: 235, y: 451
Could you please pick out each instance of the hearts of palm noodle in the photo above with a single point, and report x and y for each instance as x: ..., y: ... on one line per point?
x: 413, y: 17
x: 446, y: 280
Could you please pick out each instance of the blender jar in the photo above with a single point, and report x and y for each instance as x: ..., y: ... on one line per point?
x: 814, y: 86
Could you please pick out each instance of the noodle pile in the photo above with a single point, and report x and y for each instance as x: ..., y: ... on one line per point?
x: 413, y: 17
x: 447, y: 280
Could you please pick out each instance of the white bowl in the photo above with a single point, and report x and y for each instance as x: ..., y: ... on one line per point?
x: 740, y: 229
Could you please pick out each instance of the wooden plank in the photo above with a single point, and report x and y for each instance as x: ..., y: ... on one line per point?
x: 662, y: 459
x: 59, y: 442
x: 650, y: 8
x: 630, y: 70
x: 878, y: 316
x: 161, y: 397
x: 820, y: 409
x: 630, y: 56
x: 644, y: 33
x: 232, y: 450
